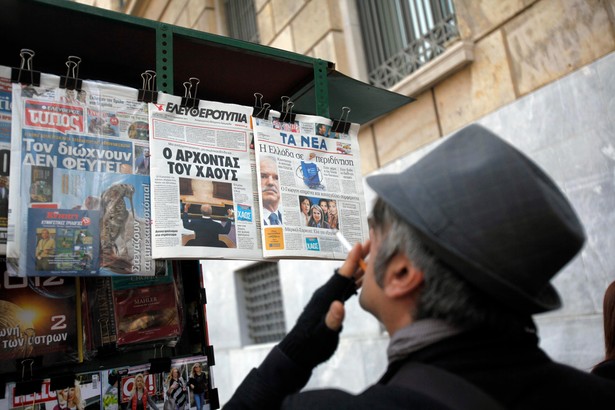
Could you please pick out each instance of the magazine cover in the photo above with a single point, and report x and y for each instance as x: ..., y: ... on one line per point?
x: 81, y: 166
x: 146, y: 310
x: 139, y: 385
x: 84, y: 395
x: 5, y: 151
x: 46, y: 399
x: 310, y: 187
x: 110, y: 388
x: 38, y: 318
x: 187, y: 383
x: 203, y: 201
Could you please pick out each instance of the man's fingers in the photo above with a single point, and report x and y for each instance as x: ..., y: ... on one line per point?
x: 351, y: 266
x: 335, y: 315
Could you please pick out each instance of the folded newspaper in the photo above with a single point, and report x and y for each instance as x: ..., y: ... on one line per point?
x: 225, y: 183
x: 310, y: 187
x: 80, y: 202
x: 204, y: 201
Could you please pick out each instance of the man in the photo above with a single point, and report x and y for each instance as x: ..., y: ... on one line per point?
x: 464, y: 245
x: 206, y: 231
x: 270, y: 191
x: 45, y: 248
x: 142, y: 163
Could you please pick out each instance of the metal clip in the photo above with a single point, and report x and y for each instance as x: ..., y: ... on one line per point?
x: 260, y: 110
x: 189, y: 100
x: 71, y: 80
x: 25, y: 67
x: 342, y: 125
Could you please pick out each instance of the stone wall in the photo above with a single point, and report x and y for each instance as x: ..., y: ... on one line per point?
x: 519, y: 47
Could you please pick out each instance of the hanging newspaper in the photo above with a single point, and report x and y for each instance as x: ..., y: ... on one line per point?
x: 80, y: 164
x: 5, y: 152
x: 204, y: 202
x: 310, y: 187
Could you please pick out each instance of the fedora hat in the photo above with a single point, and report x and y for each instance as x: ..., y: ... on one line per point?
x: 490, y: 214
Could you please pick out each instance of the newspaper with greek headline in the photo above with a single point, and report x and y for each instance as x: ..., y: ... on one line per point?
x: 204, y: 201
x: 310, y: 187
x: 80, y: 202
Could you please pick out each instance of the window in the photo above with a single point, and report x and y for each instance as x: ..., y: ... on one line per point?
x: 264, y: 311
x: 241, y: 20
x: 399, y: 36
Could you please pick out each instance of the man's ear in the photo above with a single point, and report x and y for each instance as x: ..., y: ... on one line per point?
x: 401, y: 277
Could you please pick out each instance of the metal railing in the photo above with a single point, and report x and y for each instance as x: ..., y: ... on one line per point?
x: 400, y: 36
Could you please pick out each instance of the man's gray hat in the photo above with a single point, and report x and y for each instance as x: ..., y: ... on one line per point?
x: 489, y: 213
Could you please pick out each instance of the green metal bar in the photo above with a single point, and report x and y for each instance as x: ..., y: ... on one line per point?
x: 321, y: 90
x: 164, y: 58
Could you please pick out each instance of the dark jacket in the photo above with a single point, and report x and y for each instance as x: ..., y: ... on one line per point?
x: 206, y: 231
x: 605, y: 369
x: 512, y: 370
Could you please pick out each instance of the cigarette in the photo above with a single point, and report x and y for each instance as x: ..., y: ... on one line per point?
x: 348, y: 247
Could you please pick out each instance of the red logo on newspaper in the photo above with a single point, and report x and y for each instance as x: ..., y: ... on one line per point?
x: 160, y: 107
x: 55, y: 116
x: 85, y: 221
x: 59, y: 215
x: 128, y: 384
x: 45, y: 395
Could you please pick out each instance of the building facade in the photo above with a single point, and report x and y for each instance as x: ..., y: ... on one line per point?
x: 541, y: 73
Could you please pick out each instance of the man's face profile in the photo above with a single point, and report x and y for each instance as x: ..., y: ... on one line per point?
x: 270, y: 185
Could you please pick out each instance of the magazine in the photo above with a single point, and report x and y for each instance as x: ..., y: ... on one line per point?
x: 310, y: 187
x: 80, y: 162
x: 5, y: 152
x: 204, y: 199
x: 38, y: 320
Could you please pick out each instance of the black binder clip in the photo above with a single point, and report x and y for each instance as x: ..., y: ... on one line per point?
x: 260, y: 110
x: 148, y: 93
x: 71, y: 80
x: 28, y: 384
x: 25, y: 74
x: 62, y: 381
x: 189, y: 99
x: 342, y: 125
x: 159, y: 364
x: 286, y: 113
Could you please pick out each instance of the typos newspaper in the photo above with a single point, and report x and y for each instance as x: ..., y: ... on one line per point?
x: 204, y: 200
x: 80, y: 202
x: 310, y: 187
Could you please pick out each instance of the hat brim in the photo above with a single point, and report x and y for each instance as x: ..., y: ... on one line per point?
x: 393, y: 190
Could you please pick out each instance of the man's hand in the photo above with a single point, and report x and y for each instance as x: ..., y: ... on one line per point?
x: 350, y: 269
x: 315, y: 336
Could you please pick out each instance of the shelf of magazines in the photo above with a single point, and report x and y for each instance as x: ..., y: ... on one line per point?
x: 95, y: 340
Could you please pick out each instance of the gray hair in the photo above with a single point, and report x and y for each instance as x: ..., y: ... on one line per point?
x: 444, y: 295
